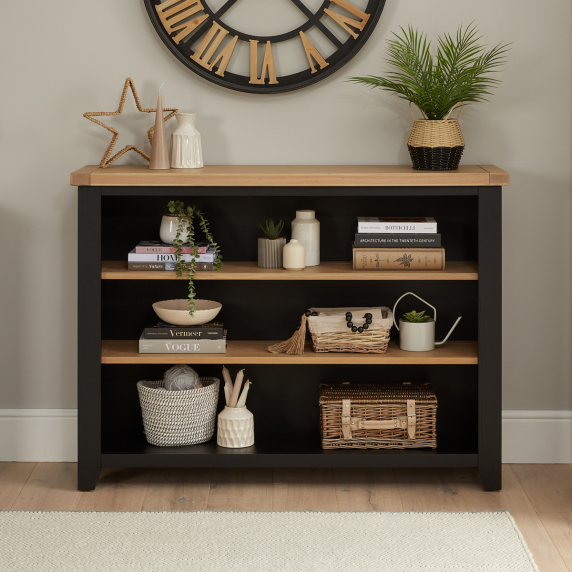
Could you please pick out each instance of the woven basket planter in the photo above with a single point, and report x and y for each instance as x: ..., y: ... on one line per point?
x: 436, y: 145
x: 349, y: 414
x: 176, y: 418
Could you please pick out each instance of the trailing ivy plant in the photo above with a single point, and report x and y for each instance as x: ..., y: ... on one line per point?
x: 415, y: 317
x: 188, y: 225
x: 458, y: 72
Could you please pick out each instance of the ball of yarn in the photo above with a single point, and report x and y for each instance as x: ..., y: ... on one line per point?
x: 180, y: 378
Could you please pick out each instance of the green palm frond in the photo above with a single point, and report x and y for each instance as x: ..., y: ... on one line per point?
x: 460, y: 71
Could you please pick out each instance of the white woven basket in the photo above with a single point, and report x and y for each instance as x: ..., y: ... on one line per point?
x: 176, y: 418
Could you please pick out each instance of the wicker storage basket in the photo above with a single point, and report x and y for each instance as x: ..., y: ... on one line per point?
x: 330, y: 333
x: 391, y: 416
x: 174, y: 418
x: 436, y: 145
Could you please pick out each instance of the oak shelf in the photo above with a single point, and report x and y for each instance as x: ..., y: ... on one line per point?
x: 289, y: 176
x: 256, y: 352
x: 117, y: 270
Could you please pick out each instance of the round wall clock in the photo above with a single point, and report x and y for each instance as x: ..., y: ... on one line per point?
x: 264, y: 46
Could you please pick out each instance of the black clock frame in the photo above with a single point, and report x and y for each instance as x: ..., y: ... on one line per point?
x: 344, y: 53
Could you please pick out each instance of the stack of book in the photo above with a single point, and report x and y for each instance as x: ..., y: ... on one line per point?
x: 397, y: 244
x: 155, y: 255
x: 164, y: 338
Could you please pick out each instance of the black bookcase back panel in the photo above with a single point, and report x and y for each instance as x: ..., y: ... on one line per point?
x: 271, y: 310
x: 233, y: 220
x: 284, y: 400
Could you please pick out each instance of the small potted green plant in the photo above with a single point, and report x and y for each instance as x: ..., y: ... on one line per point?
x: 458, y: 73
x: 271, y: 245
x: 186, y: 234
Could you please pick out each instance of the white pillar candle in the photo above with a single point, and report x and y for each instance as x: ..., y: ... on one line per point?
x: 294, y: 255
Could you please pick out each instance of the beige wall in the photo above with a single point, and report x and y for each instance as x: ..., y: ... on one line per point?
x: 59, y: 59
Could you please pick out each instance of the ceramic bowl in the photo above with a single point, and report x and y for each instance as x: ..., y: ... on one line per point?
x: 177, y: 312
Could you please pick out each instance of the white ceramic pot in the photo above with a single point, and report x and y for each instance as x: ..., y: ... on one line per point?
x: 235, y: 428
x: 417, y: 337
x: 169, y: 228
x: 306, y: 229
x: 186, y: 147
x: 270, y: 252
x: 294, y: 255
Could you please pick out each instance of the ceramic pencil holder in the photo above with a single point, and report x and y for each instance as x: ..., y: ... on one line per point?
x: 235, y: 428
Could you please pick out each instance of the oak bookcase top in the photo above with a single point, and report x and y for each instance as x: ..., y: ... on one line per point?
x: 289, y: 176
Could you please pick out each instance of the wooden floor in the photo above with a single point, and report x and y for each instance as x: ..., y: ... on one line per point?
x: 539, y: 497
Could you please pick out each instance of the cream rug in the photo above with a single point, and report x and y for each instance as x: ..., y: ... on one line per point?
x: 262, y: 542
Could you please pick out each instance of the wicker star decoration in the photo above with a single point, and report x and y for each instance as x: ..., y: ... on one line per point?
x: 106, y: 161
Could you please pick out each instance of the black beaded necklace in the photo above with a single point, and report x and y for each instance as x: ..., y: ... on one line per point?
x: 368, y: 320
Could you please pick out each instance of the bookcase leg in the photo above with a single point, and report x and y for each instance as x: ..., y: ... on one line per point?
x: 491, y: 477
x: 490, y: 337
x: 87, y: 477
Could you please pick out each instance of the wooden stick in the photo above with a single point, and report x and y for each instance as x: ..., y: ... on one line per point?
x: 236, y: 388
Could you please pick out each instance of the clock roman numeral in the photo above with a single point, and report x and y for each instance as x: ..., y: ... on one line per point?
x: 267, y: 64
x: 312, y: 53
x: 172, y: 12
x: 345, y: 21
x: 204, y: 52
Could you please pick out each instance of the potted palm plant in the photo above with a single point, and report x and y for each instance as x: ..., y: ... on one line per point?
x: 437, y: 84
x: 271, y: 246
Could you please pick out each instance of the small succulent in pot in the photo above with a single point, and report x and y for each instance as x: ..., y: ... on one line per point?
x: 414, y: 317
x: 270, y: 247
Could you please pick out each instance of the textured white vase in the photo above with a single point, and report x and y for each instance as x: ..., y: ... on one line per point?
x: 186, y: 148
x: 169, y: 227
x: 306, y: 229
x: 235, y: 428
x: 294, y: 256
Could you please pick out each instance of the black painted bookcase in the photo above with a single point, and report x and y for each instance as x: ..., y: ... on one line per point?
x: 121, y: 205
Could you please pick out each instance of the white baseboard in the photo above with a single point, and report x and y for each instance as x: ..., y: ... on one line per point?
x: 537, y: 436
x: 50, y: 435
x: 38, y: 435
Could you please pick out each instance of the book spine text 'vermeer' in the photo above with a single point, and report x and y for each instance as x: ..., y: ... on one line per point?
x: 399, y: 259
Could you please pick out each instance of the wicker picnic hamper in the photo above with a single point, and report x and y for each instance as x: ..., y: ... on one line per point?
x: 330, y: 332
x: 389, y: 416
x: 175, y: 418
x: 436, y: 145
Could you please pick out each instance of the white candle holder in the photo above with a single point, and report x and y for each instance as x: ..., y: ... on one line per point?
x: 235, y: 428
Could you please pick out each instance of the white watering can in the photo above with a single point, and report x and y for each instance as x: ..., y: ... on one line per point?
x: 419, y: 336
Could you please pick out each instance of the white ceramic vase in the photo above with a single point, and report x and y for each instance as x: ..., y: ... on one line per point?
x: 306, y: 229
x: 294, y: 255
x: 235, y: 428
x: 169, y: 227
x: 186, y: 148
